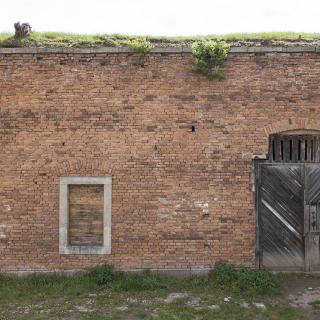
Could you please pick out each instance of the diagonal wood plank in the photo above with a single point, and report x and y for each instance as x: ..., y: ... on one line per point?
x: 281, y: 197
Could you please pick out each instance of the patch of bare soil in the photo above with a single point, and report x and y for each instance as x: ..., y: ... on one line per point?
x: 303, y: 290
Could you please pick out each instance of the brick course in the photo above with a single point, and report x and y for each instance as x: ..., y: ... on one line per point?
x: 181, y: 198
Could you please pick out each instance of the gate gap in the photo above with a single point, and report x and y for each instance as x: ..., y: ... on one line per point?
x: 306, y: 150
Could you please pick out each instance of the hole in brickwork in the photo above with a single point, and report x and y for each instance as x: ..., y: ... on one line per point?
x: 86, y: 204
x: 193, y: 128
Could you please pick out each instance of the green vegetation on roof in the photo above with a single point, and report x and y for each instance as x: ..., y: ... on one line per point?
x: 56, y: 39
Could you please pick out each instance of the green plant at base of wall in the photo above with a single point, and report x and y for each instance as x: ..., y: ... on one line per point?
x: 141, y: 47
x: 208, y: 56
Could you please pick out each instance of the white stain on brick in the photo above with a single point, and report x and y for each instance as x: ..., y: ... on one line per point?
x: 7, y: 207
x: 168, y: 207
x: 164, y: 201
x: 204, y: 205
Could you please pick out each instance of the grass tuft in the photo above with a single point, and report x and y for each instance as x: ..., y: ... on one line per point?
x: 105, y: 276
x: 102, y: 275
x: 315, y: 304
x: 243, y: 280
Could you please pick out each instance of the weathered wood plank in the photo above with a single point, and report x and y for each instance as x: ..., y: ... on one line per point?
x: 286, y: 149
x: 86, y: 215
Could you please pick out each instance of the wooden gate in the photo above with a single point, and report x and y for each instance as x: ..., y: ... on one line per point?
x: 281, y: 216
x: 288, y: 205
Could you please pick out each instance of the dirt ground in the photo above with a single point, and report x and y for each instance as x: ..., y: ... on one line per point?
x: 303, y: 290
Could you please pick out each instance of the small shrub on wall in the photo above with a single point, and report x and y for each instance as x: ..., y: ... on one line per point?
x: 140, y: 46
x: 208, y: 56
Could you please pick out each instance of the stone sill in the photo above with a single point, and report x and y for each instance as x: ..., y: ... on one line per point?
x: 178, y: 49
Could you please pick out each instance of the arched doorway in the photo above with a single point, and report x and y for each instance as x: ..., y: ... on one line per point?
x: 288, y: 202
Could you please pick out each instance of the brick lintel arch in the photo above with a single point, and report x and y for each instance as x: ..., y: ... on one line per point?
x: 81, y: 166
x: 292, y: 124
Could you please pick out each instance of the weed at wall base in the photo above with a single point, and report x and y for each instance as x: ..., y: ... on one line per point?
x: 243, y: 280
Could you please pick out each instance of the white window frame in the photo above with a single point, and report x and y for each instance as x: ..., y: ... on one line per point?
x: 64, y: 246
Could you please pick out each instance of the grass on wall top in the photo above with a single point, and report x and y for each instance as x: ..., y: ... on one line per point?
x: 57, y: 39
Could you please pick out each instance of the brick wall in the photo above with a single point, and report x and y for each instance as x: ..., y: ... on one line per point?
x: 181, y: 198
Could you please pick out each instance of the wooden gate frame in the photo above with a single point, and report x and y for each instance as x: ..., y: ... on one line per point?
x: 257, y: 162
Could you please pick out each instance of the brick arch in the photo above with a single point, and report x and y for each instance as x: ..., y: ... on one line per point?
x: 82, y: 166
x: 292, y: 124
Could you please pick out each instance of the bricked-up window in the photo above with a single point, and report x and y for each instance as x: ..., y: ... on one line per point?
x: 85, y: 215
